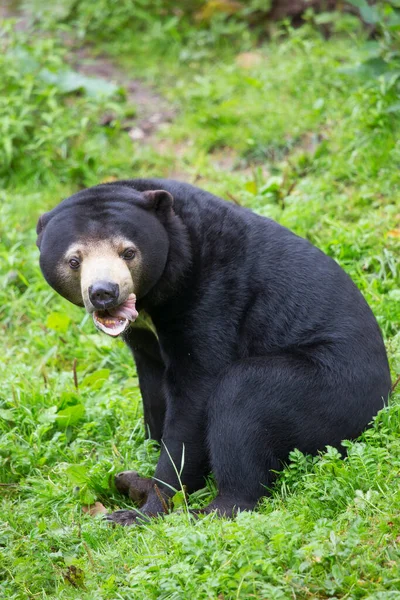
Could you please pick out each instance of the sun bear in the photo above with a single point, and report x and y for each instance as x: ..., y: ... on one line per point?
x: 259, y: 343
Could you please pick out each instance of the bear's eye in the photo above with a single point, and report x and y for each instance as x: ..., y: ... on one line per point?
x: 128, y: 254
x: 74, y: 263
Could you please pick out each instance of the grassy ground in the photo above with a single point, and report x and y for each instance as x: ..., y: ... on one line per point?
x: 290, y: 131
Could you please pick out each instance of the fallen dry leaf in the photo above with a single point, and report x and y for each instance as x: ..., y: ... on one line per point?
x: 75, y: 576
x: 248, y: 60
x: 394, y: 233
x: 213, y: 7
x: 95, y: 509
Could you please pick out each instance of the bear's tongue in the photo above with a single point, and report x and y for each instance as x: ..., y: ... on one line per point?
x: 114, y: 321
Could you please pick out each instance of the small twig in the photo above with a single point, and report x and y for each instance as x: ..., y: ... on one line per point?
x: 45, y: 378
x: 396, y: 383
x: 89, y: 553
x: 9, y: 484
x: 161, y: 499
x: 291, y: 187
x: 232, y: 197
x: 75, y: 374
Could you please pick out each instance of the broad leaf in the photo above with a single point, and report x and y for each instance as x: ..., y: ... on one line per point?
x: 70, y: 415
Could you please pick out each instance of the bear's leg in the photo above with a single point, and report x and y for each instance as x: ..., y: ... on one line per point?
x: 150, y: 369
x: 150, y: 374
x: 184, y: 453
x: 265, y: 407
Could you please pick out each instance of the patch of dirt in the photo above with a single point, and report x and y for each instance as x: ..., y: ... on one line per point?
x: 11, y: 9
x: 152, y: 110
x: 177, y: 151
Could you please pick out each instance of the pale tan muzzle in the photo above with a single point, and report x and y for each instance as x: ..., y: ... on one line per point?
x: 100, y: 260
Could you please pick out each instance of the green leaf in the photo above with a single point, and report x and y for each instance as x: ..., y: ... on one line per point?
x: 251, y: 186
x: 109, y: 584
x: 95, y: 380
x: 370, y: 14
x: 373, y: 67
x: 6, y: 414
x: 77, y: 474
x: 24, y: 59
x: 358, y: 3
x: 70, y: 81
x: 322, y: 149
x: 49, y: 415
x: 392, y: 108
x: 87, y: 497
x: 58, y: 322
x: 179, y: 500
x: 272, y: 184
x: 377, y: 66
x: 253, y: 82
x: 70, y: 415
x: 8, y: 148
x: 393, y: 20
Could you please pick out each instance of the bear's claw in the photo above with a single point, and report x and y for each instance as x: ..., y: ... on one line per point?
x: 126, y: 517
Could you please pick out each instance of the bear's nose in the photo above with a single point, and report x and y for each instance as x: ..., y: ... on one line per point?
x: 103, y: 294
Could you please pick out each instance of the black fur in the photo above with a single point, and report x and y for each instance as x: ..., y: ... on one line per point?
x: 264, y: 343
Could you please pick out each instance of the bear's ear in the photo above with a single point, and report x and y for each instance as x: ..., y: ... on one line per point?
x: 159, y: 200
x: 41, y: 224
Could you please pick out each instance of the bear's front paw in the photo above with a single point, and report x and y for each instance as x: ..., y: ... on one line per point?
x: 131, y: 484
x: 127, y: 517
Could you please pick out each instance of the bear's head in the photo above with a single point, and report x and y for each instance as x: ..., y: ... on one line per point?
x: 105, y: 247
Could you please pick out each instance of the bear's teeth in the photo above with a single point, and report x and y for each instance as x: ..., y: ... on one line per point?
x: 113, y: 326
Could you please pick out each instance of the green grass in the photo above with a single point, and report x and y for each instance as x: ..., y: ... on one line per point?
x: 294, y: 138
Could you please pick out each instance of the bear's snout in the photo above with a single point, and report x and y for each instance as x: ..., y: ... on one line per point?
x: 104, y: 294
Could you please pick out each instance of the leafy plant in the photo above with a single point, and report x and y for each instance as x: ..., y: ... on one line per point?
x: 384, y: 53
x: 49, y: 115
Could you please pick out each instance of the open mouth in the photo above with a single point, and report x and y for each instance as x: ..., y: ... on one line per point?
x: 114, y: 321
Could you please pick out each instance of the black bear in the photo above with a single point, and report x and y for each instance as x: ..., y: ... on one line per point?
x: 259, y: 343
